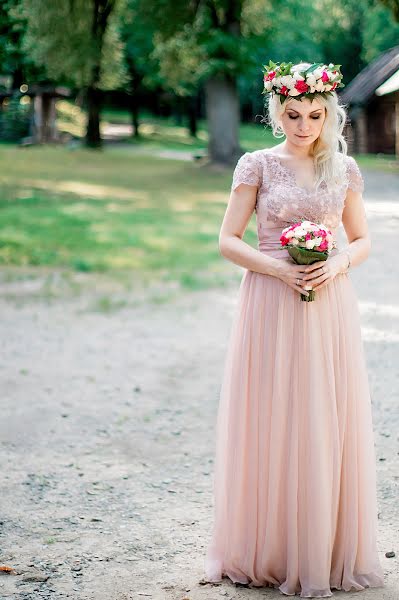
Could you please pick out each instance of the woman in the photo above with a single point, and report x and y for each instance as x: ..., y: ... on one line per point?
x: 294, y: 481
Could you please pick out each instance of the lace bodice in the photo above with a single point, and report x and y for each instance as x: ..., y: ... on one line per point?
x: 280, y: 200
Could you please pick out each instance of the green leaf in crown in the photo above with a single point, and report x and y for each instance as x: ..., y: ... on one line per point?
x: 290, y: 80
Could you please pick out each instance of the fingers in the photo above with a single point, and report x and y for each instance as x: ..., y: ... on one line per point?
x: 315, y: 265
x: 317, y: 280
x: 301, y: 290
x: 321, y: 281
x: 315, y: 274
x: 300, y: 268
x: 298, y: 286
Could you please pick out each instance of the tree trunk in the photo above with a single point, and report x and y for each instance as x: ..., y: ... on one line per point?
x: 178, y: 110
x: 134, y: 112
x: 17, y: 78
x: 192, y: 115
x: 134, y: 93
x: 101, y: 12
x: 223, y: 115
x: 94, y: 100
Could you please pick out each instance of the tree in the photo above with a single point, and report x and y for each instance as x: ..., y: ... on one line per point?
x: 13, y: 60
x: 208, y: 42
x: 381, y: 32
x: 393, y: 6
x: 138, y: 45
x: 76, y: 41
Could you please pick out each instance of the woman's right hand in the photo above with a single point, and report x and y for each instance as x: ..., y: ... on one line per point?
x: 290, y: 273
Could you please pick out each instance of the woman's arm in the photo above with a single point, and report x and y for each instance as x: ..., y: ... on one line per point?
x: 232, y: 246
x: 355, y: 224
x: 359, y: 244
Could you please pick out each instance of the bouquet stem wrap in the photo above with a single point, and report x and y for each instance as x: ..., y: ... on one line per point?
x: 303, y: 256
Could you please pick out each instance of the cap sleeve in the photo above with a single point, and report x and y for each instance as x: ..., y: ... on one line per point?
x: 248, y: 170
x: 355, y: 178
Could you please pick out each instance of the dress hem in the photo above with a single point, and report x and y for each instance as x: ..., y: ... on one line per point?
x: 378, y: 583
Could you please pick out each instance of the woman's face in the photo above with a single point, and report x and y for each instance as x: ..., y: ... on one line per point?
x: 302, y: 121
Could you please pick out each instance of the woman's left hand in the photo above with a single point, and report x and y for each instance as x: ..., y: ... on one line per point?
x: 322, y: 272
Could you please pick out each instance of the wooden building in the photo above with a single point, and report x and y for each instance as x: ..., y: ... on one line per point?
x: 372, y: 99
x: 43, y: 129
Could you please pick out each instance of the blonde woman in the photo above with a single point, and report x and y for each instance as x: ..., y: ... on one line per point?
x: 294, y: 479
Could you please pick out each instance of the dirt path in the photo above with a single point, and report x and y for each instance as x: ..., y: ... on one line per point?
x: 108, y: 406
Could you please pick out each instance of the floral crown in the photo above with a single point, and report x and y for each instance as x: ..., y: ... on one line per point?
x: 301, y: 80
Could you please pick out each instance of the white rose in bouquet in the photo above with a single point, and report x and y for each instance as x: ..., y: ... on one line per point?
x: 310, y: 244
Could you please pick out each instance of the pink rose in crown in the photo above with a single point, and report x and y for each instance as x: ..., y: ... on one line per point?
x: 325, y: 77
x: 301, y: 86
x: 269, y: 76
x: 284, y: 90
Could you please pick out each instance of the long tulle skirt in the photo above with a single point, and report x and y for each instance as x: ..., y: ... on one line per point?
x: 294, y: 479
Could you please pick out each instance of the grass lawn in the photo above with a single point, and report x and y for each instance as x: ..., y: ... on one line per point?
x: 115, y: 212
x: 119, y: 212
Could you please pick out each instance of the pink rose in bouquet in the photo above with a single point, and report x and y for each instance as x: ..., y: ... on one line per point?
x: 307, y: 243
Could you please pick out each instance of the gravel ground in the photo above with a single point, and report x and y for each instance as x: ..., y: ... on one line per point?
x: 108, y: 408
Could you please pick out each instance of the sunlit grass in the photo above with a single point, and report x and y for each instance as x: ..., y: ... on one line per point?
x: 112, y: 211
x: 379, y: 162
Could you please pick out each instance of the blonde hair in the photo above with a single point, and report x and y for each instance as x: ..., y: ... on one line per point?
x: 330, y: 148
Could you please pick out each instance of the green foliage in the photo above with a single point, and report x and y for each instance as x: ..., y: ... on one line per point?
x: 137, y: 36
x: 193, y: 42
x: 392, y: 5
x: 14, y: 120
x: 381, y: 32
x: 14, y: 61
x: 182, y: 61
x: 59, y: 38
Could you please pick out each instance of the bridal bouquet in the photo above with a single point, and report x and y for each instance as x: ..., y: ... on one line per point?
x: 307, y: 243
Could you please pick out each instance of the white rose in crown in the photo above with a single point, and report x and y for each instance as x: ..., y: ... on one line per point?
x: 288, y: 81
x: 318, y: 73
x: 300, y: 67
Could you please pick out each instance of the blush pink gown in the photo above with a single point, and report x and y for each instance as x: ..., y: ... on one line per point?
x: 294, y: 479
